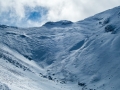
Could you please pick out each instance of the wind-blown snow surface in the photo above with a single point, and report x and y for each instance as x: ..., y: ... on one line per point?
x: 3, y: 87
x: 63, y: 55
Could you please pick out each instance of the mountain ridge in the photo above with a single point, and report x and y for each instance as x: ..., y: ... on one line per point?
x: 84, y: 54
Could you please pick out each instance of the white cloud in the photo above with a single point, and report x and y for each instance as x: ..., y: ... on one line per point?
x: 73, y: 10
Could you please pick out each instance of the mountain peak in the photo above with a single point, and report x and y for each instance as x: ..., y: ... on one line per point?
x: 82, y: 56
x: 58, y: 23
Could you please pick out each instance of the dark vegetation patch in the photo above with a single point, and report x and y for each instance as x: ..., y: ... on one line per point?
x: 109, y: 28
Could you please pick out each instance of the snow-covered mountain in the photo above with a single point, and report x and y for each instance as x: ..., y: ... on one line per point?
x: 62, y: 55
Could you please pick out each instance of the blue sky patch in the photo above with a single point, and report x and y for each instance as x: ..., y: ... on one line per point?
x: 34, y: 16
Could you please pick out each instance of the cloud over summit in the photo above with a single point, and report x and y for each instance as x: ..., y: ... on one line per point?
x: 26, y: 13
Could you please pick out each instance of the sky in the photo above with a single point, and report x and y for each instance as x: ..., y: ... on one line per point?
x: 34, y: 13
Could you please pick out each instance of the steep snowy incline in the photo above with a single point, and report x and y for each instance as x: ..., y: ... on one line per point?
x: 19, y: 73
x: 96, y: 62
x: 83, y: 55
x: 43, y: 45
x: 22, y: 50
x: 3, y: 87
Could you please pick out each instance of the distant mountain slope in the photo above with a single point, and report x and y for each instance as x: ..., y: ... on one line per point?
x: 85, y: 53
x: 96, y: 61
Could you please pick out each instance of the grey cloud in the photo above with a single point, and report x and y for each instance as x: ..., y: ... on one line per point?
x: 13, y: 12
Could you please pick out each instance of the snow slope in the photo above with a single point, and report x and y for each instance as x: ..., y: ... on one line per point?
x: 3, y: 87
x: 63, y: 55
x: 19, y: 73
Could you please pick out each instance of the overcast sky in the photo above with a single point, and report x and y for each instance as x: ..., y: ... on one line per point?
x: 30, y: 13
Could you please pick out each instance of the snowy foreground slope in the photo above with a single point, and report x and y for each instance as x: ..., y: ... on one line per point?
x: 62, y: 55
